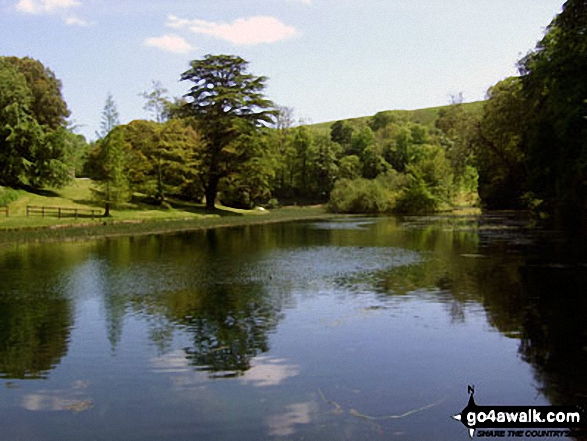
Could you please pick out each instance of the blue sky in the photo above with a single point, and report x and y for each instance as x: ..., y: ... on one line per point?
x: 327, y: 59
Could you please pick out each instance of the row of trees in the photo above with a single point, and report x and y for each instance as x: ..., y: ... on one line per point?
x: 401, y: 166
x: 532, y: 137
x: 214, y: 138
x: 286, y: 163
x: 224, y: 140
x: 528, y: 143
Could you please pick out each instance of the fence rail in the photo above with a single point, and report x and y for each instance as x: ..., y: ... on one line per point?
x: 5, y: 210
x: 60, y: 212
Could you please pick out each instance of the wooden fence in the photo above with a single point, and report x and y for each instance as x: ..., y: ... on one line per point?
x: 5, y: 210
x: 60, y: 212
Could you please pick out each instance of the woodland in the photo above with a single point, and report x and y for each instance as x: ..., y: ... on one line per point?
x: 224, y: 141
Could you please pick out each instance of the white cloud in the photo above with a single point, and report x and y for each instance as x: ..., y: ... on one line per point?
x: 170, y: 43
x: 72, y: 20
x: 268, y: 371
x: 45, y: 6
x: 74, y: 399
x: 243, y: 31
x: 172, y: 362
x: 297, y: 413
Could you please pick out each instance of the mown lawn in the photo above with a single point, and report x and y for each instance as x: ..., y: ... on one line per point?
x: 130, y: 219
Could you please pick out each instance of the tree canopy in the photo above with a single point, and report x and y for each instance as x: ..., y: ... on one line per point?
x: 47, y: 106
x: 32, y: 125
x: 226, y: 102
x: 554, y: 85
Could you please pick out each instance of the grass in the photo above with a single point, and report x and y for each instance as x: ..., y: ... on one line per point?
x: 131, y: 219
x: 426, y: 117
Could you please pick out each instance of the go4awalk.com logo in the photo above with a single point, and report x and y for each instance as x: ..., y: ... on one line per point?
x: 521, y: 421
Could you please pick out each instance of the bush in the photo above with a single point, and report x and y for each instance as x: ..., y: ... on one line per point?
x: 361, y: 196
x: 417, y: 198
x: 412, y: 192
x: 273, y: 203
x: 7, y: 195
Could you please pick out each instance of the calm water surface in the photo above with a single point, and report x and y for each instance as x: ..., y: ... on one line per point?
x: 312, y: 330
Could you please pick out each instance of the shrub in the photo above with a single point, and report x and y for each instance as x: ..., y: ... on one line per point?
x: 417, y: 198
x: 361, y: 196
x: 273, y: 203
x: 7, y: 195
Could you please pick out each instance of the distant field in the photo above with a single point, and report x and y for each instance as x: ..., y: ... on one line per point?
x: 426, y: 117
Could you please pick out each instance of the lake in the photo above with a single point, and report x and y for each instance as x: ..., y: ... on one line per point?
x: 347, y: 329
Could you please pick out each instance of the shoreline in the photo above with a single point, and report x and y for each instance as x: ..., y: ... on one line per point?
x: 129, y: 227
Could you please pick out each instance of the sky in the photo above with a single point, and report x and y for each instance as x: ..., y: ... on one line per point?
x: 326, y: 59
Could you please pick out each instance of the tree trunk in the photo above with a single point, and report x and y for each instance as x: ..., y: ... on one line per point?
x: 211, y: 192
x: 107, y: 209
x: 160, y: 197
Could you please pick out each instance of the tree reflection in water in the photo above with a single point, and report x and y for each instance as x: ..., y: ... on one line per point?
x: 229, y: 326
x: 217, y: 288
x: 35, y: 316
x: 531, y: 287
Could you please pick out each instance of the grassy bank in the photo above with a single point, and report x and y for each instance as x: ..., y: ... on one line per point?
x: 427, y: 117
x: 131, y: 219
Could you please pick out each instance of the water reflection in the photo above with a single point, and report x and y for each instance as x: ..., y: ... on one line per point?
x: 530, y: 282
x: 229, y: 326
x: 554, y: 330
x: 284, y: 424
x: 33, y: 335
x: 269, y: 371
x: 74, y: 399
x: 276, y: 312
x: 35, y: 314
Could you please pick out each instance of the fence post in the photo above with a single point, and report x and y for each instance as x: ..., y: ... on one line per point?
x: 27, y: 211
x: 59, y: 213
x: 43, y: 211
x: 75, y: 213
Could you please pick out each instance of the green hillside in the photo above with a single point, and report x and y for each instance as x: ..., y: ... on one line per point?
x: 426, y: 117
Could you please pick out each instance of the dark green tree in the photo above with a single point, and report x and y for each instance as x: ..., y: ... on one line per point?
x: 458, y: 131
x: 403, y: 152
x: 419, y: 133
x: 498, y: 144
x: 162, y: 159
x: 553, y: 78
x: 342, y: 133
x: 77, y: 150
x: 381, y: 120
x: 373, y: 162
x: 349, y: 167
x: 361, y: 140
x: 226, y: 102
x: 32, y: 150
x: 111, y: 170
x: 303, y: 143
x: 250, y: 184
x: 110, y: 159
x: 48, y: 106
x: 325, y: 168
